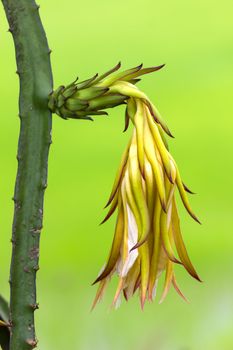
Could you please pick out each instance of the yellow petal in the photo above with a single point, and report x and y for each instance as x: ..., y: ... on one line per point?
x: 150, y: 186
x: 157, y: 117
x: 145, y: 271
x: 137, y: 190
x: 139, y: 124
x: 177, y: 289
x: 112, y: 208
x: 131, y: 201
x: 183, y: 194
x: 161, y: 147
x: 131, y: 279
x: 127, y: 89
x: 168, y: 280
x: 164, y: 227
x: 100, y: 292
x: 116, y: 244
x: 119, y: 174
x: 158, y: 174
x: 118, y: 291
x: 180, y: 246
x: 156, y: 247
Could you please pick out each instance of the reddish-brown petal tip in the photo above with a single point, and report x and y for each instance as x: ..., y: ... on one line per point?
x: 196, y: 219
x: 139, y: 244
x: 171, y: 257
x: 161, y: 66
x: 143, y: 299
x: 170, y: 178
x: 175, y: 285
x: 125, y: 295
x: 187, y: 189
x: 197, y: 278
x: 170, y: 134
x: 98, y: 279
x: 164, y: 206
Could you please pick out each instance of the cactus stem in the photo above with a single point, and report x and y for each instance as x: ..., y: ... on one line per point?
x: 35, y: 76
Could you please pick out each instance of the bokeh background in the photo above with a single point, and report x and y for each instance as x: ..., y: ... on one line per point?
x: 194, y: 95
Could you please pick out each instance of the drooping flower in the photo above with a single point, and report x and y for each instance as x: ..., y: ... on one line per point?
x: 147, y: 238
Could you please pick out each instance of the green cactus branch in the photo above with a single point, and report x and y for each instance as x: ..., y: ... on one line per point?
x: 34, y: 70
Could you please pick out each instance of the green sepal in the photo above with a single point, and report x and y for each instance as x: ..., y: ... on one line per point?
x: 88, y: 113
x: 69, y: 91
x: 74, y: 105
x: 114, y: 69
x: 121, y: 75
x: 60, y: 101
x: 87, y: 83
x: 53, y: 98
x: 142, y: 71
x: 89, y: 93
x: 106, y: 101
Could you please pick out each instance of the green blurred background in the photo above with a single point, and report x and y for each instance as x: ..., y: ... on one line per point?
x: 194, y: 95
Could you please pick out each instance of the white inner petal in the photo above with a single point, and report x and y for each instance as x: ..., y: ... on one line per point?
x: 155, y: 289
x: 132, y: 241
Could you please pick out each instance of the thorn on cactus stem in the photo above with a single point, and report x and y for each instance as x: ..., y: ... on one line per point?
x: 10, y: 30
x: 36, y: 230
x: 44, y: 186
x: 34, y: 306
x: 50, y: 51
x: 36, y: 268
x: 30, y: 327
x: 32, y: 343
x: 13, y: 242
x: 17, y: 205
